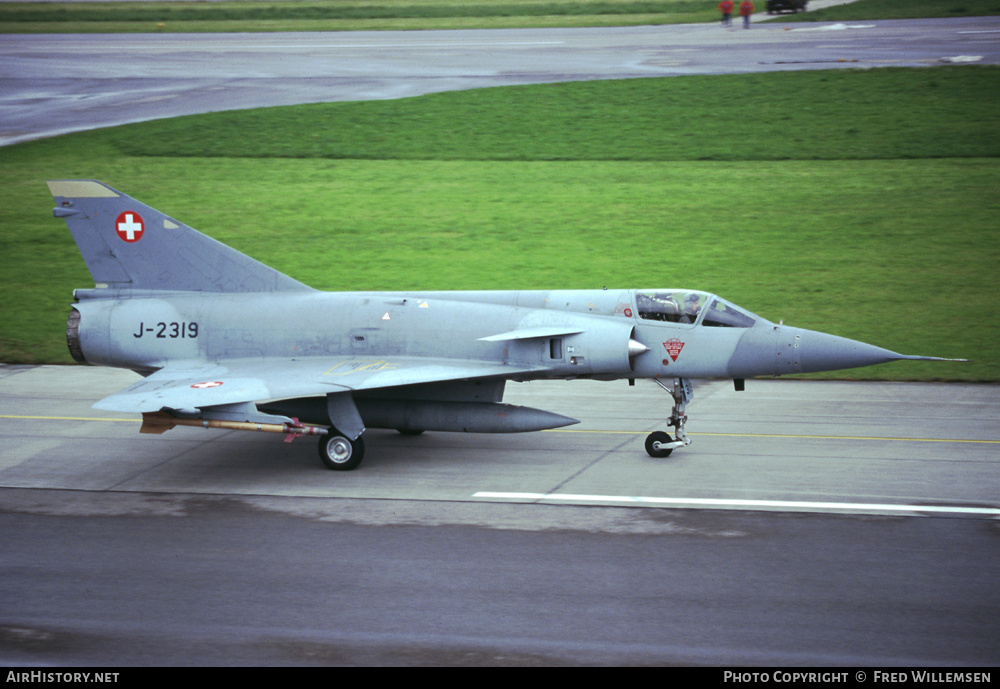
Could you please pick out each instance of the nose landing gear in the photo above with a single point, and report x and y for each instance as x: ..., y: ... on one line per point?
x: 659, y: 443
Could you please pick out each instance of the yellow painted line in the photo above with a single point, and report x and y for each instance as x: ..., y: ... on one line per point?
x: 853, y: 437
x: 790, y: 436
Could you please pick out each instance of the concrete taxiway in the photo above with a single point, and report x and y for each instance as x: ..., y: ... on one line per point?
x: 879, y: 448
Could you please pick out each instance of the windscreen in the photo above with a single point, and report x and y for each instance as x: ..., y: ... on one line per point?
x: 724, y: 315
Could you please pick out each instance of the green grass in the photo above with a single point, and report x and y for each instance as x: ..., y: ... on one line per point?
x: 337, y: 15
x: 898, y: 9
x: 872, y: 214
x: 814, y: 115
x: 326, y: 9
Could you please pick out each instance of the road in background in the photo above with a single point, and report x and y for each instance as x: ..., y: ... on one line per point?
x: 53, y: 84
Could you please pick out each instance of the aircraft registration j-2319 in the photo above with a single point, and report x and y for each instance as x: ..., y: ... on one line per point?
x: 224, y: 341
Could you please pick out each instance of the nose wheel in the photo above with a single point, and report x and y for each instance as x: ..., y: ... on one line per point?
x: 659, y: 443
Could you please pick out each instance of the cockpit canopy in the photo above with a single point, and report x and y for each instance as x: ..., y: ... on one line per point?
x: 689, y: 306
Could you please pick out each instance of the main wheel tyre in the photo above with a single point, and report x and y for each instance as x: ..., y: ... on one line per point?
x: 340, y: 453
x: 658, y: 437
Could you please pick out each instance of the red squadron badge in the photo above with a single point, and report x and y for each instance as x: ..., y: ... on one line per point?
x: 673, y: 347
x: 129, y: 226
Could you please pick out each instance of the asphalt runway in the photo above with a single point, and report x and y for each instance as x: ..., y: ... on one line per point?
x: 52, y: 84
x: 809, y: 523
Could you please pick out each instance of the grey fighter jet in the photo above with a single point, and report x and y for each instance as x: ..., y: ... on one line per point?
x: 224, y: 341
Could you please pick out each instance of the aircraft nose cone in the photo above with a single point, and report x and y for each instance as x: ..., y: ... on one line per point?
x: 823, y: 352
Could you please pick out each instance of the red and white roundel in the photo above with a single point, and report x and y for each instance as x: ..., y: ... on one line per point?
x: 129, y: 226
x: 207, y: 384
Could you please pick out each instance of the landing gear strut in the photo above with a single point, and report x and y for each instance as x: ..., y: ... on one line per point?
x: 660, y: 444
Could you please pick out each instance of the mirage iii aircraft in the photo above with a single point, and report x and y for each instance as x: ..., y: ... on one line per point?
x: 224, y: 341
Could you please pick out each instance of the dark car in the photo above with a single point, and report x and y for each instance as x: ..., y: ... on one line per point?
x: 778, y: 6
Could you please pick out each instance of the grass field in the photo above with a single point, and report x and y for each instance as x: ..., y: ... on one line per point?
x: 341, y: 15
x: 872, y: 214
x: 899, y: 9
x: 885, y: 114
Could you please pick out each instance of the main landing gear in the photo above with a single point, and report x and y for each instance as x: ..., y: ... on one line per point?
x: 659, y: 443
x: 339, y: 452
x: 342, y: 449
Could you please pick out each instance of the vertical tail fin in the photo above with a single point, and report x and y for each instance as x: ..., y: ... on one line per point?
x: 129, y: 245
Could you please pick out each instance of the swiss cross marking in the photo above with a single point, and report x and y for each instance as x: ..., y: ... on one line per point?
x: 129, y: 226
x: 207, y: 384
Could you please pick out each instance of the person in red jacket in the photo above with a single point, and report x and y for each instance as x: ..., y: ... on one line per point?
x: 746, y: 9
x: 726, y: 7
